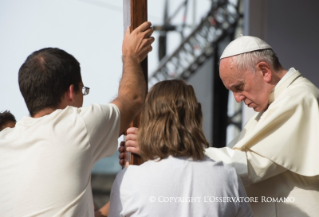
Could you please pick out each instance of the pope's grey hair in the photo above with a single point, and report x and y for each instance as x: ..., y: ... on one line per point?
x: 248, y: 61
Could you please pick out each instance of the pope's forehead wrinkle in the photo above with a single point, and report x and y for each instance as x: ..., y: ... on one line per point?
x: 238, y: 83
x: 239, y: 86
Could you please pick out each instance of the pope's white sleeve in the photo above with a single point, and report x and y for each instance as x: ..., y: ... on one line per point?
x: 261, y: 168
x: 250, y: 166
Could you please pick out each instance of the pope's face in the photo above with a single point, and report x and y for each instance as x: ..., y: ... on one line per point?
x: 246, y: 86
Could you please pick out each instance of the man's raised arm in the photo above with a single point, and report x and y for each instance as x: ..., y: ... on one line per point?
x: 132, y: 90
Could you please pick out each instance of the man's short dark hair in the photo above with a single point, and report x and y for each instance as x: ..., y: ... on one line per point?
x: 6, y: 117
x: 45, y: 76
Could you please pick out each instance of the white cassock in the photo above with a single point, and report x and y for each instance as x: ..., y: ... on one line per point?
x: 277, y: 153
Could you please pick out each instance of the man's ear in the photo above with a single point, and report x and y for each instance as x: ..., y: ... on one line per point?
x: 265, y: 70
x: 69, y: 94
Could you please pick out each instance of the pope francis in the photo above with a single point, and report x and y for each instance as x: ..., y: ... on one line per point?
x: 276, y: 154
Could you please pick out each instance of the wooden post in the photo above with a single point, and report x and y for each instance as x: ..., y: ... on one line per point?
x: 135, y: 13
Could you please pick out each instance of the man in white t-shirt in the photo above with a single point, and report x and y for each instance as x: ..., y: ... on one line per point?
x: 46, y: 160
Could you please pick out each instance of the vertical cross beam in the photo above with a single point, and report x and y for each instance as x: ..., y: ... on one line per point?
x: 135, y: 13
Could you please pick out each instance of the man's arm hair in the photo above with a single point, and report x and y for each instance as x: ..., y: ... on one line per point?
x: 132, y: 90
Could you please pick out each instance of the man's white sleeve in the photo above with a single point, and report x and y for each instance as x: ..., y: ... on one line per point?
x: 103, y: 126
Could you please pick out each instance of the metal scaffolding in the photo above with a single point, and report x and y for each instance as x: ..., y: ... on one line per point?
x: 200, y: 44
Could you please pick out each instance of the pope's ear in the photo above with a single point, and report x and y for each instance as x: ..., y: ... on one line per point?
x: 265, y: 70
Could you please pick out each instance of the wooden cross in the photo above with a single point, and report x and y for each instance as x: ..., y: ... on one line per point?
x: 135, y: 13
